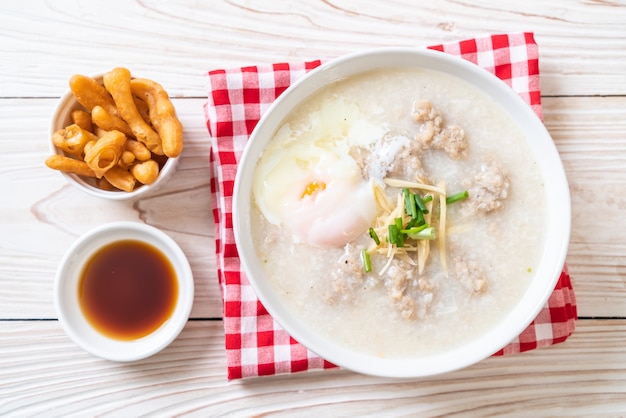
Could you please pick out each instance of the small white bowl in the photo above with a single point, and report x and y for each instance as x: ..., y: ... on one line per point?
x: 542, y: 146
x: 66, y: 296
x: 62, y: 118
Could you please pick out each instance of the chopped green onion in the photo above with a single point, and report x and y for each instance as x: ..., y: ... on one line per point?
x: 367, y: 263
x: 415, y: 211
x: 456, y: 197
x: 401, y: 239
x: 420, y: 203
x: 408, y: 207
x: 427, y: 233
x: 427, y: 198
x: 374, y: 236
x: 393, y: 234
x: 411, y: 224
x: 420, y: 218
x: 414, y: 229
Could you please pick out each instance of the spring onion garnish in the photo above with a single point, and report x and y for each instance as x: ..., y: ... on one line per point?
x: 420, y: 218
x: 408, y: 221
x: 374, y: 236
x: 395, y: 236
x: 426, y: 233
x: 456, y: 197
x: 394, y: 232
x: 367, y: 263
x: 414, y: 230
x: 414, y: 204
x: 420, y: 203
x: 407, y: 202
x: 410, y: 205
x: 411, y: 224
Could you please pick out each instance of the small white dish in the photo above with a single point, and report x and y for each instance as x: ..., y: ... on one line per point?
x: 66, y: 292
x: 61, y: 118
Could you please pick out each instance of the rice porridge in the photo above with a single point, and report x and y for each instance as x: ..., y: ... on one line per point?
x: 398, y: 212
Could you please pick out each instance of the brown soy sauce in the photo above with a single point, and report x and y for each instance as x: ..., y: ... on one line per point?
x: 127, y: 289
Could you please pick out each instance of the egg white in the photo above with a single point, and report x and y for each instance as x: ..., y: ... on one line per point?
x: 313, y: 152
x: 339, y: 206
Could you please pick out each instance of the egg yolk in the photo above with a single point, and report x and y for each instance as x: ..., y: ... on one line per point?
x: 313, y: 188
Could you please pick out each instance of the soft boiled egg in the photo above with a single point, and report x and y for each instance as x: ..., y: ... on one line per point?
x: 316, y: 191
x: 307, y: 182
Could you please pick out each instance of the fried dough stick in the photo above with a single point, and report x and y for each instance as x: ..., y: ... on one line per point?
x: 117, y: 83
x: 89, y: 93
x: 162, y: 114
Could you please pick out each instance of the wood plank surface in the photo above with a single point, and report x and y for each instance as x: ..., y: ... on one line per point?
x: 42, y: 43
x: 590, y: 135
x: 580, y: 41
x: 188, y: 378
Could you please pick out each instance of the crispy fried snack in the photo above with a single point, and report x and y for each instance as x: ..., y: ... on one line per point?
x: 162, y: 114
x: 123, y: 135
x: 106, y: 121
x: 138, y: 149
x: 98, y: 131
x: 72, y: 139
x: 82, y: 119
x: 89, y: 145
x: 105, y: 153
x: 120, y: 178
x: 90, y: 93
x: 117, y: 83
x: 69, y: 165
x: 145, y: 172
x: 104, y: 184
x: 126, y: 159
x: 142, y: 107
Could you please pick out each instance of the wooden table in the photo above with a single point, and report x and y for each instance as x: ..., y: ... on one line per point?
x: 43, y: 373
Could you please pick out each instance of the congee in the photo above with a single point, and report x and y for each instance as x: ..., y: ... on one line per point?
x: 399, y: 212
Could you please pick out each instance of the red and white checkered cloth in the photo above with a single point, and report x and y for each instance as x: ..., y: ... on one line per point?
x: 255, y: 344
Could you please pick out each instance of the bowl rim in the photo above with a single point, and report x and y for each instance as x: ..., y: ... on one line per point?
x: 65, y: 292
x: 59, y: 120
x: 557, y: 191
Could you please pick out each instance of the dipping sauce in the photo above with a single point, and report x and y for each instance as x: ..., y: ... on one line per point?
x: 127, y: 289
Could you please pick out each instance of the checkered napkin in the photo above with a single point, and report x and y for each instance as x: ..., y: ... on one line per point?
x: 255, y: 344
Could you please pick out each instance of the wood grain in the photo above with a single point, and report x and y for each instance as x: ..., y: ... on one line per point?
x: 43, y: 373
x: 52, y: 376
x: 589, y: 134
x: 178, y: 41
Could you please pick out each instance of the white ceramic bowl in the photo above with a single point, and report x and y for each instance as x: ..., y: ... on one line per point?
x: 66, y: 292
x: 62, y: 118
x: 558, y: 204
